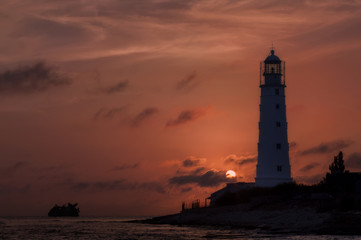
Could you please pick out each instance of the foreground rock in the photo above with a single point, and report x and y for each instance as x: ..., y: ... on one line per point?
x: 64, y: 211
x: 304, y: 216
x: 304, y: 221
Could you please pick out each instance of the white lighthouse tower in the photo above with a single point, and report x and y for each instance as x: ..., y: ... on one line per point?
x: 273, y: 165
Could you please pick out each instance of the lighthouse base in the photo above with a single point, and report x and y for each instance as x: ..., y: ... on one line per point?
x: 271, y: 182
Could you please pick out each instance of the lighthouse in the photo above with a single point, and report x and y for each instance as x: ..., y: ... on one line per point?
x: 273, y: 165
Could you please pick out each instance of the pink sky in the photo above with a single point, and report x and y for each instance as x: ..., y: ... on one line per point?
x: 131, y: 107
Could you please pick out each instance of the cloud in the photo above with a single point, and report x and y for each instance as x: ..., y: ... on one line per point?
x: 192, y: 161
x: 195, y: 171
x: 125, y: 166
x: 198, y: 170
x: 17, y: 165
x: 116, y: 185
x: 154, y: 186
x: 14, y: 168
x: 186, y: 189
x: 52, y: 32
x: 241, y: 160
x: 108, y: 113
x: 31, y: 79
x: 119, y: 87
x: 354, y: 161
x: 185, y: 117
x: 339, y: 33
x: 210, y: 178
x: 328, y: 147
x: 143, y: 115
x: 67, y: 25
x: 6, y: 189
x: 150, y: 9
x: 188, y: 83
x: 309, y: 167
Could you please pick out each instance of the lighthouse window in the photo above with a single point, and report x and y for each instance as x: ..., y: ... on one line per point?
x: 279, y: 168
x: 278, y: 124
x: 277, y: 106
x: 278, y: 145
x: 277, y: 91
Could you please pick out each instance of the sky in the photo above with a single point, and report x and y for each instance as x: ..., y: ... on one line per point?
x: 131, y: 107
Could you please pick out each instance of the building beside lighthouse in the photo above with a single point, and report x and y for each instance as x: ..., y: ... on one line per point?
x: 273, y: 165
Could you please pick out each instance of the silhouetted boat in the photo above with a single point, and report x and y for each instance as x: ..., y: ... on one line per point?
x: 64, y: 211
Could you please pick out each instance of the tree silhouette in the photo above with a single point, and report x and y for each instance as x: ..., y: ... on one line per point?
x: 338, y: 165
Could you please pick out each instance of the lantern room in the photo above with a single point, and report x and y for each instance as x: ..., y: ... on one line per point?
x: 272, y: 70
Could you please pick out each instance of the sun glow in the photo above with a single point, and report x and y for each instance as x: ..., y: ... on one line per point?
x: 230, y: 174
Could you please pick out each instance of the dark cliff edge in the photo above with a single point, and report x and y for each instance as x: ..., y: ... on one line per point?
x: 292, y: 217
x: 322, y: 209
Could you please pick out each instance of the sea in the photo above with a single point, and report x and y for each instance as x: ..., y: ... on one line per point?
x: 118, y: 228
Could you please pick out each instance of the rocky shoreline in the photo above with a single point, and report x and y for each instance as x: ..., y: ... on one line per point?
x: 300, y: 220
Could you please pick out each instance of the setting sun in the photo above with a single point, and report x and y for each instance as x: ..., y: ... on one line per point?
x: 230, y: 174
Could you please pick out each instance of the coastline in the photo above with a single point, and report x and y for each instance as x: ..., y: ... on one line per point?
x: 306, y: 220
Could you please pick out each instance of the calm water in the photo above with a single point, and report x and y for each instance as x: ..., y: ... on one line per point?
x: 115, y: 228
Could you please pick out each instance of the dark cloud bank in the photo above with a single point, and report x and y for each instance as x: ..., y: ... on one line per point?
x: 143, y: 115
x: 191, y: 162
x: 31, y: 79
x: 240, y: 161
x: 184, y: 117
x: 110, y: 113
x: 14, y: 168
x: 188, y: 83
x: 208, y: 179
x: 119, y: 87
x: 309, y: 167
x: 327, y: 147
x: 104, y: 113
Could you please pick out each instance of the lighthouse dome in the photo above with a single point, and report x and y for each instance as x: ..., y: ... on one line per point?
x: 272, y: 58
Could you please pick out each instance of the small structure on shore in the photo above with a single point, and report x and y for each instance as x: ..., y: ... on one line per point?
x: 195, y: 204
x: 230, y: 188
x: 70, y: 210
